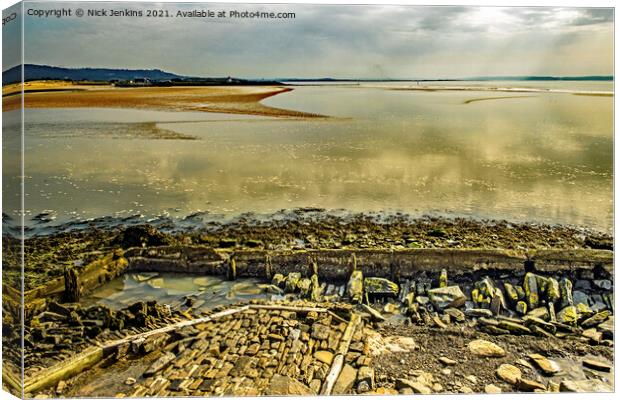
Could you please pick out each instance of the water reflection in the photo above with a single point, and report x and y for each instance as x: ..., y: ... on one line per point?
x: 174, y: 289
x: 545, y: 158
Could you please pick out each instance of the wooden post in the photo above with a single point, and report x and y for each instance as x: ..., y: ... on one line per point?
x: 232, y: 269
x: 72, y: 286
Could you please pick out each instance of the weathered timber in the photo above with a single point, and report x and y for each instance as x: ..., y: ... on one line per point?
x: 90, y: 277
x: 93, y: 355
x: 571, y: 259
x: 338, y: 361
x: 64, y: 370
x: 73, y: 289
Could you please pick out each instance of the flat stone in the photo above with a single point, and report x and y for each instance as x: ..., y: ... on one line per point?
x: 160, y: 363
x: 444, y: 297
x: 604, y: 284
x: 492, y: 389
x: 365, y: 379
x: 324, y: 356
x: 416, y: 386
x: 380, y: 286
x: 508, y: 373
x: 345, y: 380
x: 585, y: 386
x: 596, y: 365
x: 287, y: 386
x: 547, y: 366
x: 484, y: 348
x: 447, y: 361
x: 528, y: 385
x: 478, y: 312
x: 596, y: 319
x: 320, y: 331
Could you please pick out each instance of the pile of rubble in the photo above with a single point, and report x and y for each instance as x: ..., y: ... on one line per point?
x: 62, y: 330
x: 536, y: 305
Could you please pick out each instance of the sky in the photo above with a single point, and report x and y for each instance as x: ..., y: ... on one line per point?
x: 332, y: 41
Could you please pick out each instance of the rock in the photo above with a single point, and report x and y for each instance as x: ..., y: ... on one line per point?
x: 583, y: 311
x: 514, y: 327
x: 380, y: 287
x: 447, y: 361
x: 159, y: 364
x: 345, y: 380
x: 389, y: 308
x: 58, y: 309
x: 443, y: 278
x: 484, y: 348
x: 593, y: 335
x: 568, y: 315
x: 566, y: 293
x: 607, y: 327
x: 527, y: 385
x: 417, y: 387
x: 324, y: 356
x: 521, y: 307
x: 287, y: 386
x: 585, y: 386
x: 455, y: 314
x: 384, y: 391
x: 530, y: 286
x: 292, y: 280
x: 509, y: 373
x: 355, y: 286
x: 596, y: 365
x: 130, y: 381
x: 376, y: 315
x: 497, y: 302
x: 365, y: 379
x: 438, y: 322
x: 553, y: 293
x: 540, y: 312
x: 547, y: 366
x: 580, y: 298
x: 304, y: 285
x: 478, y: 312
x: 444, y: 297
x: 60, y: 388
x: 604, y: 284
x: 533, y: 321
x: 278, y: 280
x: 320, y: 331
x: 492, y: 389
x: 141, y: 236
x: 582, y: 285
x: 511, y: 293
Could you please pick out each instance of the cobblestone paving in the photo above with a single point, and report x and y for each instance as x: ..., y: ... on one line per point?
x: 257, y: 351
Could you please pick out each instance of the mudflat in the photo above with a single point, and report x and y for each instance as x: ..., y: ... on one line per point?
x: 223, y: 99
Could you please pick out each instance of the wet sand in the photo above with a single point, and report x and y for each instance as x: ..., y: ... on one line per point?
x: 221, y: 99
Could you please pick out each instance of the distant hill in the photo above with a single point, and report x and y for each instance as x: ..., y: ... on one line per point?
x: 543, y: 78
x: 33, y: 72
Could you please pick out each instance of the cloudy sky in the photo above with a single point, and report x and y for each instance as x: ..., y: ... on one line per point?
x: 335, y: 41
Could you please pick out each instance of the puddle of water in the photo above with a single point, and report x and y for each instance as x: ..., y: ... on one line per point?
x: 174, y: 288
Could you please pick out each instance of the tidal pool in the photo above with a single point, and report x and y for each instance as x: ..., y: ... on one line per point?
x: 174, y: 289
x: 525, y: 157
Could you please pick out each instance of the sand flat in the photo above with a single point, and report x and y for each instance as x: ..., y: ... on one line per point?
x: 223, y: 99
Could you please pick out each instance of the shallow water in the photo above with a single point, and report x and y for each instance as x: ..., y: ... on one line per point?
x: 542, y: 157
x: 173, y: 289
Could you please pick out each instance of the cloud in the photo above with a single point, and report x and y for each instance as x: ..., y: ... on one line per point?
x: 338, y: 41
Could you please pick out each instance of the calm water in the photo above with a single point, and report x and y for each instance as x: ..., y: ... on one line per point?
x: 544, y: 157
x: 174, y: 288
